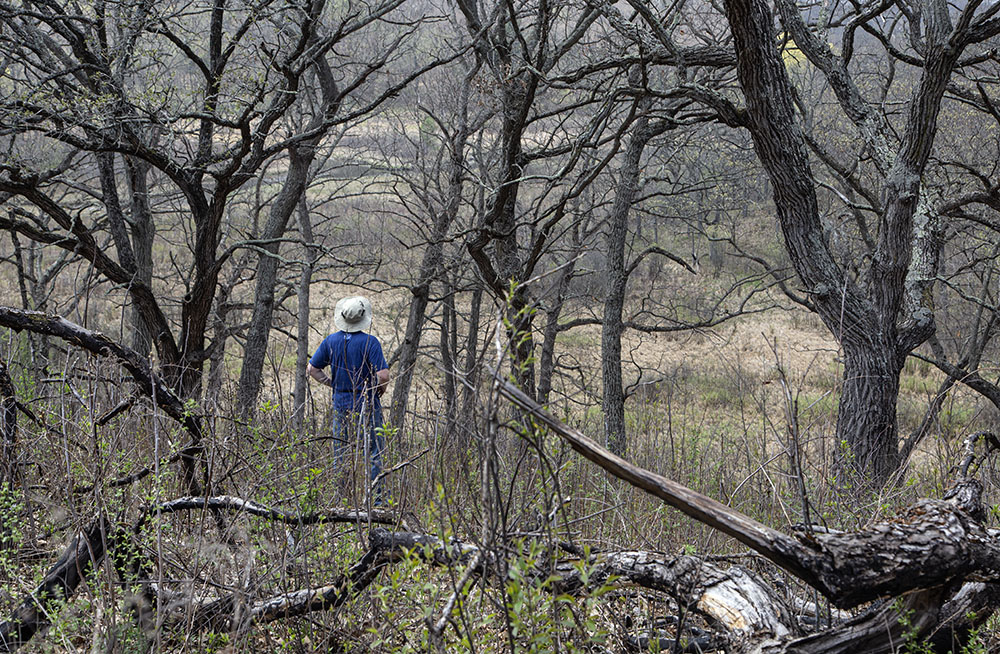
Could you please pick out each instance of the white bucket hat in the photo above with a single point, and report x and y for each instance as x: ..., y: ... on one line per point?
x: 353, y: 314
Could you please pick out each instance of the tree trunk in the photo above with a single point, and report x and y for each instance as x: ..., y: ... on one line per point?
x: 302, y: 327
x: 38, y: 353
x: 143, y: 231
x: 613, y: 392
x: 502, y: 269
x: 866, y: 416
x: 217, y: 360
x: 891, y: 298
x: 10, y: 467
x: 521, y: 340
x: 469, y: 388
x: 430, y: 263
x: 408, y: 352
x: 255, y: 349
x: 546, y: 362
x: 300, y: 157
x: 447, y: 350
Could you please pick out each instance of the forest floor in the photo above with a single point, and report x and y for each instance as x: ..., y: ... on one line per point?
x: 713, y: 412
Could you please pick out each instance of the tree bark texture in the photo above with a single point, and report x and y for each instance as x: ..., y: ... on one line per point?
x: 613, y: 391
x: 471, y: 365
x: 300, y: 158
x: 448, y: 347
x: 143, y: 231
x: 302, y: 319
x: 547, y: 359
x: 10, y: 468
x: 869, y: 431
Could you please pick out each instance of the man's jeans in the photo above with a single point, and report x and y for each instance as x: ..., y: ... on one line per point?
x: 348, y: 427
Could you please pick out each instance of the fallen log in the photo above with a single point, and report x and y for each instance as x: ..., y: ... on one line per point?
x: 924, y: 555
x: 743, y: 613
x: 238, y: 505
x: 226, y: 613
x: 35, y: 613
x: 734, y: 600
x: 88, y: 548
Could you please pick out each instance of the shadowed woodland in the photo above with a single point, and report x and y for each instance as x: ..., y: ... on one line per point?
x: 690, y: 311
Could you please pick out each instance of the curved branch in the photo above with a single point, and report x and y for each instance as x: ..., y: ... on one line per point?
x: 933, y: 544
x: 97, y: 343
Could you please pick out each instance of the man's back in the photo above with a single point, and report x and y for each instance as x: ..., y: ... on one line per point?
x: 354, y: 359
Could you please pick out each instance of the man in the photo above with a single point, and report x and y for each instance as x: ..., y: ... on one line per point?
x: 359, y: 375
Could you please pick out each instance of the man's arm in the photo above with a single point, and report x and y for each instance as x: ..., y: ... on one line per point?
x: 319, y: 375
x: 381, y: 381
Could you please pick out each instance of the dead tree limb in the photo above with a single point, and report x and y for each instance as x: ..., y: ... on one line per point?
x: 735, y: 601
x: 9, y: 464
x: 929, y: 556
x: 220, y: 614
x: 122, y: 407
x: 237, y: 505
x: 783, y: 550
x: 933, y: 543
x: 190, y: 450
x: 84, y: 553
x: 385, y: 547
x: 97, y: 343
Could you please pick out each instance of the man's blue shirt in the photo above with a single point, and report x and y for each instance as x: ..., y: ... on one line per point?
x: 354, y: 358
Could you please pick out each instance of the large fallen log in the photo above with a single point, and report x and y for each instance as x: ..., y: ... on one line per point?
x: 924, y: 555
x: 734, y: 599
x: 934, y: 568
x: 744, y: 614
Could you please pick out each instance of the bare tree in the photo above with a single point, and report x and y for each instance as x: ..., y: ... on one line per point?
x: 364, y: 100
x: 877, y: 300
x: 518, y: 45
x: 435, y: 197
x: 114, y: 83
